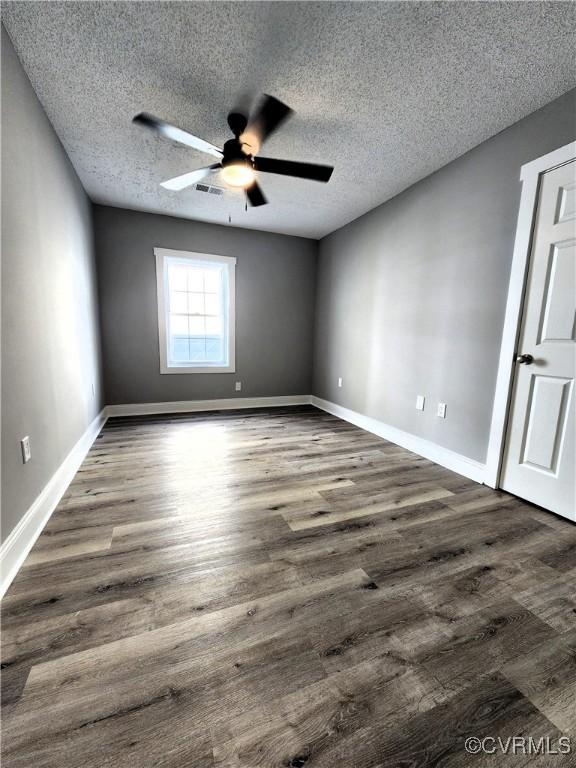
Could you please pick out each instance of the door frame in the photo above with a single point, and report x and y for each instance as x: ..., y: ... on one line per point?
x: 530, y: 178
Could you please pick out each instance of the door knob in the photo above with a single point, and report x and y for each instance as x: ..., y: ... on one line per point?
x: 526, y: 359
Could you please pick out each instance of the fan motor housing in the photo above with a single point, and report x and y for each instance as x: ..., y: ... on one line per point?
x: 233, y: 154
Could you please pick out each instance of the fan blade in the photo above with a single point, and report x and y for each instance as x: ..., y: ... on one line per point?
x: 175, y: 134
x: 289, y: 168
x: 187, y: 179
x: 270, y: 115
x: 255, y: 195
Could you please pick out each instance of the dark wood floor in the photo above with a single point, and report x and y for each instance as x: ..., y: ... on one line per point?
x: 281, y: 589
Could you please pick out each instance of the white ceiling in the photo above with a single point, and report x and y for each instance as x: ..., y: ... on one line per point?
x: 387, y: 92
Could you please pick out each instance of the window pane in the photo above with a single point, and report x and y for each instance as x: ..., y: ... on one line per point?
x: 177, y: 277
x: 179, y: 325
x: 212, y: 280
x: 214, y: 326
x: 180, y: 350
x: 195, y: 279
x: 178, y: 302
x: 197, y: 350
x: 212, y: 304
x: 196, y: 303
x: 213, y: 350
x: 196, y: 326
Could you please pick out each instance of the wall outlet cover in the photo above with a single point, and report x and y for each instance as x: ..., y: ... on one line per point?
x: 238, y: 386
x: 420, y: 400
x: 26, y: 452
x: 340, y: 381
x: 442, y: 410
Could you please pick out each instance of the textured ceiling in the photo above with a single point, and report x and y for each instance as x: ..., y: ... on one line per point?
x: 386, y: 92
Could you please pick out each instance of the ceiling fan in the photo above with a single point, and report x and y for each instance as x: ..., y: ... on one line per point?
x: 238, y: 161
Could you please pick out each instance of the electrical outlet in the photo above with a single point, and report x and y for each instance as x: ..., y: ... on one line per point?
x: 238, y: 386
x: 442, y: 410
x: 420, y: 400
x: 26, y: 452
x: 340, y: 381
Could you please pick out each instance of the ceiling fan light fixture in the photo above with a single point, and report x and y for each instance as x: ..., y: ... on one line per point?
x: 239, y: 159
x: 238, y: 174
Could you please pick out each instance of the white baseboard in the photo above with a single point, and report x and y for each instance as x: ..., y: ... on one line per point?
x: 23, y: 537
x: 462, y: 465
x: 193, y: 406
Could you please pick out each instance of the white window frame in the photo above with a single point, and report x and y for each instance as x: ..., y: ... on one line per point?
x: 162, y: 255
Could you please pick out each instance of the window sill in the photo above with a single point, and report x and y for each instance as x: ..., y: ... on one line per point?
x: 199, y: 369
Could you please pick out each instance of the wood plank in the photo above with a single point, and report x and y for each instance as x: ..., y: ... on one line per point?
x: 547, y: 676
x: 279, y: 588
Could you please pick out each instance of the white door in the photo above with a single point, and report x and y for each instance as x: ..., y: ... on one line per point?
x: 539, y: 456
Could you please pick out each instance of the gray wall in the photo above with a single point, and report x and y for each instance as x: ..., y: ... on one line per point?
x: 411, y: 296
x: 50, y: 341
x: 275, y: 292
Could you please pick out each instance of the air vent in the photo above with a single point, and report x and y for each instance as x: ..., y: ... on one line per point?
x: 211, y: 190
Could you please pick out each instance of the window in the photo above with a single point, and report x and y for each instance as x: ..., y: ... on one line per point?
x: 195, y: 311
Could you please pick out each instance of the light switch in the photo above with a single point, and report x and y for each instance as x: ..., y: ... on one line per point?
x: 340, y: 381
x: 420, y: 400
x: 442, y: 410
